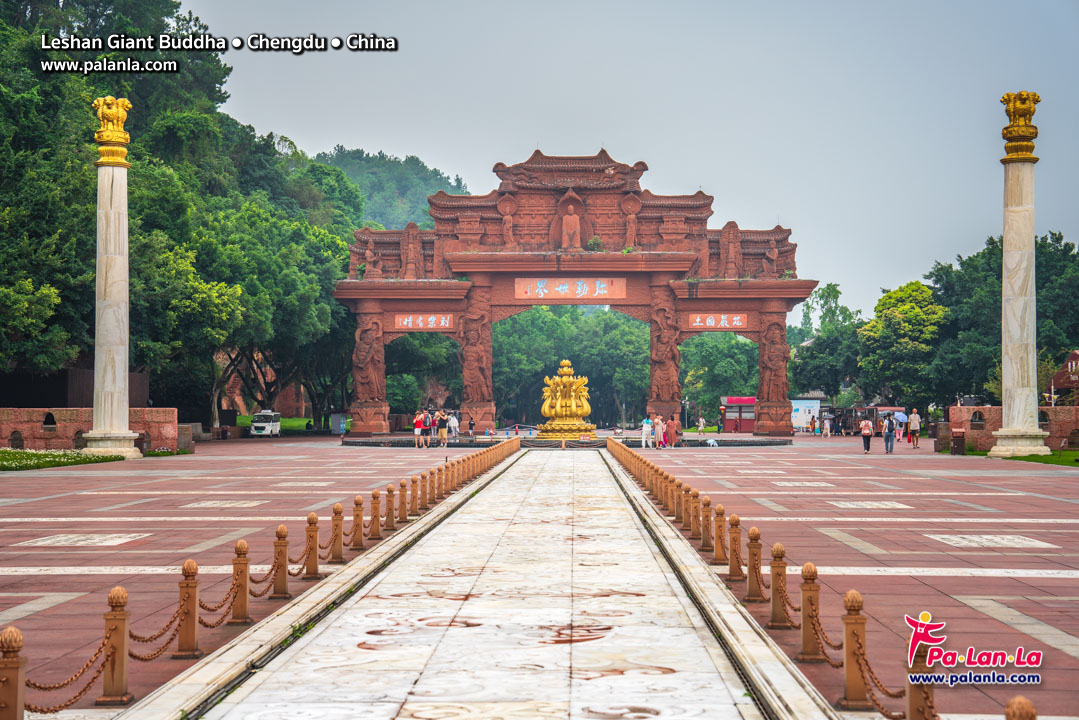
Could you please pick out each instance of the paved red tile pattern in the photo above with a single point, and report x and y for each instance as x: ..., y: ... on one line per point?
x: 41, y: 503
x: 1025, y: 496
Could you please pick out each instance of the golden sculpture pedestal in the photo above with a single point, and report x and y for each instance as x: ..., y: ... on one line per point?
x: 565, y: 401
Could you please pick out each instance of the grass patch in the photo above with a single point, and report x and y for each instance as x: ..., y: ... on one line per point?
x: 1065, y: 457
x: 37, y: 459
x: 165, y: 453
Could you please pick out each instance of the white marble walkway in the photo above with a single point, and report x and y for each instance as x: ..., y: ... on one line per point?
x: 541, y: 598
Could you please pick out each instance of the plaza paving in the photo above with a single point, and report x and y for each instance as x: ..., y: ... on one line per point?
x: 989, y: 546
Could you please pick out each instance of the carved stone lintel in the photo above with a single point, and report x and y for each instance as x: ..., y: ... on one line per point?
x: 483, y: 412
x: 772, y: 418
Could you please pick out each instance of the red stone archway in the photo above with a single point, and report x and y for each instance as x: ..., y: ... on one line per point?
x: 492, y: 256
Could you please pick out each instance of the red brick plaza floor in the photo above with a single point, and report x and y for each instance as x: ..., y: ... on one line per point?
x: 134, y: 523
x: 991, y: 547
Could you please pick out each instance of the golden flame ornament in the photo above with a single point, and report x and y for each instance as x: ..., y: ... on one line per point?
x: 565, y: 401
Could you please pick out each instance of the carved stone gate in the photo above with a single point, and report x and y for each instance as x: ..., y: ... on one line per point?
x: 571, y: 230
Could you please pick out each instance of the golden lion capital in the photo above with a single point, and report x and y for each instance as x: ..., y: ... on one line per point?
x: 111, y: 137
x: 1020, y: 132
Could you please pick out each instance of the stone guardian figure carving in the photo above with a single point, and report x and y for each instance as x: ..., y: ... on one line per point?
x: 368, y: 364
x: 571, y: 229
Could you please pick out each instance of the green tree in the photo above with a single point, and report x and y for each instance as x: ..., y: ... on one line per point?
x: 27, y: 341
x: 829, y: 359
x: 898, y: 344
x: 403, y: 393
x: 715, y: 364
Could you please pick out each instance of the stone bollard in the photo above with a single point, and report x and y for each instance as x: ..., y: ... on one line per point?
x: 241, y: 575
x: 187, y: 641
x: 695, y: 515
x: 458, y: 483
x: 706, y: 524
x: 734, y: 557
x: 337, y: 535
x: 440, y: 482
x: 1018, y: 708
x: 402, y: 503
x: 719, y: 555
x: 424, y: 505
x: 919, y: 698
x: 646, y: 475
x: 391, y: 525
x: 432, y: 477
x: 375, y: 532
x: 12, y: 675
x: 779, y: 619
x: 811, y: 649
x: 357, y: 523
x: 414, y: 498
x: 114, y: 683
x: 674, y: 493
x: 280, y: 558
x: 311, y: 564
x: 855, y: 693
x: 687, y: 495
x: 754, y: 591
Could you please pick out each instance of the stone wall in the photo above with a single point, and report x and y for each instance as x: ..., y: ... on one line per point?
x: 1063, y: 420
x: 159, y: 424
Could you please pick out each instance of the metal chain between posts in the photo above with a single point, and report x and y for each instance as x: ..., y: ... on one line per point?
x: 859, y: 653
x: 175, y: 616
x: 225, y: 601
x: 49, y: 709
x: 870, y: 679
x: 48, y: 687
x: 814, y: 621
x: 265, y: 578
x: 221, y: 620
x: 303, y: 555
x: 927, y: 698
x: 328, y: 546
x: 787, y: 605
x: 157, y: 653
x: 265, y: 590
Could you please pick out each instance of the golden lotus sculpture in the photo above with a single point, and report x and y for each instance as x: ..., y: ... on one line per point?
x: 565, y: 401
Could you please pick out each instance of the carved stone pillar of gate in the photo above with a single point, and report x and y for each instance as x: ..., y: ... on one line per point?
x: 476, y: 356
x: 370, y: 410
x: 665, y: 391
x: 773, y: 407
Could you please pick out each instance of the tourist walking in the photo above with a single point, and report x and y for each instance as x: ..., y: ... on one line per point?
x: 826, y: 427
x: 700, y: 426
x: 442, y: 422
x: 646, y: 433
x: 455, y: 426
x: 867, y: 433
x: 672, y: 432
x: 889, y: 434
x: 658, y: 427
x: 471, y: 427
x: 426, y: 427
x: 417, y: 428
x: 914, y: 427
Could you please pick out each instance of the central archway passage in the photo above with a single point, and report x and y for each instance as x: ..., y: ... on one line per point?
x: 571, y: 231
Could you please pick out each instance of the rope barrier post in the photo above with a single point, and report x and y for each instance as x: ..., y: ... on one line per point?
x: 337, y: 535
x: 687, y: 505
x: 920, y: 697
x: 1018, y: 708
x: 357, y: 523
x: 811, y: 649
x: 402, y: 505
x: 695, y: 514
x: 440, y: 482
x: 706, y: 524
x: 734, y: 560
x: 311, y: 549
x: 754, y: 591
x: 414, y: 497
x: 430, y: 489
x: 114, y: 686
x: 779, y: 619
x: 280, y: 564
x: 855, y: 692
x: 376, y: 516
x: 456, y: 465
x: 390, y: 524
x: 187, y: 644
x: 424, y: 506
x: 719, y: 555
x: 241, y: 575
x: 12, y: 675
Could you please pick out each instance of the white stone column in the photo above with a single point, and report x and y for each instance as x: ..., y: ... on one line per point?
x: 110, y: 434
x: 1019, y: 433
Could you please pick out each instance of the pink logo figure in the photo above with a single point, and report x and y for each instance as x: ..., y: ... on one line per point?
x: 922, y: 634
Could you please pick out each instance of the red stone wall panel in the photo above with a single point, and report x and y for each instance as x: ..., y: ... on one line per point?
x: 160, y: 423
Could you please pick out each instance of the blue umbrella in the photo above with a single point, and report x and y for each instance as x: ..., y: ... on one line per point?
x: 900, y: 416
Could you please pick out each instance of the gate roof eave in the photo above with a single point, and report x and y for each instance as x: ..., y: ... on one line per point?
x: 402, y: 289
x: 546, y: 262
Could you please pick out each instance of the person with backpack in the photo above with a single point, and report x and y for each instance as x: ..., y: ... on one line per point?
x: 442, y: 421
x: 426, y: 427
x: 867, y: 433
x: 889, y: 434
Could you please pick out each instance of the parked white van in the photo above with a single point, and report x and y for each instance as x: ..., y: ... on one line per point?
x: 266, y: 423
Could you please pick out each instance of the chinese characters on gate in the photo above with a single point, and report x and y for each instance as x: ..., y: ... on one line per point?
x: 715, y: 321
x: 422, y: 321
x: 598, y: 290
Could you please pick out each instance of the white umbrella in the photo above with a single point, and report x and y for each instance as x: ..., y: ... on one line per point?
x: 901, y: 416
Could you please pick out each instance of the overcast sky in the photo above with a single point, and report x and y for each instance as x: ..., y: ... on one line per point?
x: 870, y: 129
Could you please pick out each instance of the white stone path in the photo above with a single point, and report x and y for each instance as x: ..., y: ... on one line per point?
x: 541, y: 598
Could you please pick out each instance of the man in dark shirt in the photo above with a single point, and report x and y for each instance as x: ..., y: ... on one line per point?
x: 471, y: 427
x: 442, y: 421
